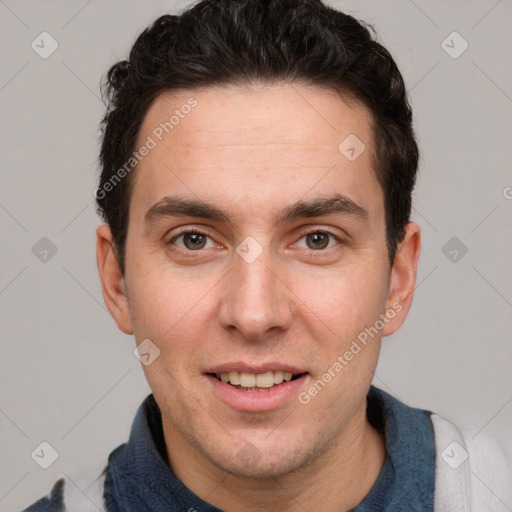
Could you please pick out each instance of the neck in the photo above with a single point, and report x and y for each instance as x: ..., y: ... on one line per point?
x: 338, y: 479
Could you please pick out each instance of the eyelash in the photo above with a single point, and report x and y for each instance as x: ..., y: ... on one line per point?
x: 199, y: 232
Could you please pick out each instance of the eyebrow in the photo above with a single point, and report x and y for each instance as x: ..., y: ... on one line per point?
x: 174, y: 206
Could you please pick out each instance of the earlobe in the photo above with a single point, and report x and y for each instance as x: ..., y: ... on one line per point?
x: 403, y: 278
x: 112, y: 281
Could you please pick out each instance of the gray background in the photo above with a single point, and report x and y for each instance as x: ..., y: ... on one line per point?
x: 70, y: 378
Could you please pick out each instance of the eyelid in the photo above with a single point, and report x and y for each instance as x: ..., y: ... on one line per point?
x: 319, y: 229
x: 190, y: 229
x: 306, y: 230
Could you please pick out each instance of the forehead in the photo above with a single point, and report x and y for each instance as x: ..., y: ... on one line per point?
x: 256, y: 146
x: 251, y: 115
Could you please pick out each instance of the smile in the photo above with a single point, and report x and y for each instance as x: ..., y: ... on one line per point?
x: 255, y: 381
x: 263, y: 389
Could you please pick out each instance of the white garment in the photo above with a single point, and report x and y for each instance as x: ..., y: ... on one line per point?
x: 473, y: 474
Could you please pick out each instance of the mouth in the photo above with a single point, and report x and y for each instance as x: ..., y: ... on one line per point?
x: 259, y: 382
x: 256, y: 389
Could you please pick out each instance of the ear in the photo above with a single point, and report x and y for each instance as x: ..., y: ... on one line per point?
x: 112, y: 281
x: 403, y: 279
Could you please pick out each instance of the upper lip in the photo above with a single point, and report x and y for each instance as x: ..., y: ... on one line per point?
x: 240, y: 366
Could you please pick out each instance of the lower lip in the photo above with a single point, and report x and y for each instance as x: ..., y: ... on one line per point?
x: 257, y: 401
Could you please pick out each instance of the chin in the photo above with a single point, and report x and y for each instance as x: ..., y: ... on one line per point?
x: 263, y: 463
x: 266, y: 468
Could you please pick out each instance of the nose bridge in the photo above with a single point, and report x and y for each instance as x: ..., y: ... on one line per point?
x: 255, y: 300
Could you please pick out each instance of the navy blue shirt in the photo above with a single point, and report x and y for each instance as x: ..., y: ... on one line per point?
x: 139, y: 479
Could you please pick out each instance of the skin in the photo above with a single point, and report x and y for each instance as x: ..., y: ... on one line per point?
x: 252, y: 151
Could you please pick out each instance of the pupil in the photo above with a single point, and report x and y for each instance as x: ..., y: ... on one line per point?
x: 317, y: 239
x: 195, y: 240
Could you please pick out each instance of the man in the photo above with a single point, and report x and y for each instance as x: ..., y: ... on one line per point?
x: 258, y: 160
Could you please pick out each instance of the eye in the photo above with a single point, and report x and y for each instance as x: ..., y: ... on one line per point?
x: 192, y: 240
x: 318, y: 240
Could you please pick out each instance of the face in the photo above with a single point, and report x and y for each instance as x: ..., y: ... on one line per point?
x: 256, y: 249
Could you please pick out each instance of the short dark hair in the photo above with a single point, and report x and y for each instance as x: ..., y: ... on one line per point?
x: 235, y: 42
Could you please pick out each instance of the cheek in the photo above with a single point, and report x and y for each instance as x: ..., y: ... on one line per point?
x: 342, y: 318
x: 343, y: 303
x: 173, y: 313
x: 169, y: 308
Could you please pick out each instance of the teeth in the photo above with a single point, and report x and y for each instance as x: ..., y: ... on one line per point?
x: 234, y: 378
x: 247, y: 380
x: 265, y: 380
x: 278, y: 377
x: 252, y: 380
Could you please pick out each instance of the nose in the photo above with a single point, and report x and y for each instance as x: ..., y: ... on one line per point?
x: 256, y: 301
